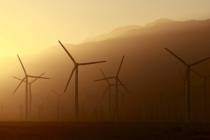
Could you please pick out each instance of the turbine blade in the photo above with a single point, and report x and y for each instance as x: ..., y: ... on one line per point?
x: 104, y: 75
x: 104, y: 92
x: 123, y: 85
x: 70, y: 77
x: 17, y: 78
x: 38, y: 77
x: 19, y: 85
x: 57, y: 94
x: 200, y: 61
x: 91, y: 63
x: 72, y: 58
x: 54, y: 92
x: 22, y: 64
x: 43, y: 101
x: 195, y: 72
x: 120, y: 66
x: 107, y: 78
x: 177, y: 57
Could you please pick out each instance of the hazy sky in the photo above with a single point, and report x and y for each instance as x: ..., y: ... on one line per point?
x: 40, y: 23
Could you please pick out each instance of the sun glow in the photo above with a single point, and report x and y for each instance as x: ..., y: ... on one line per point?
x: 36, y: 23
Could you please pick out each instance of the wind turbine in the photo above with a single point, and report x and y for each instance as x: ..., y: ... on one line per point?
x: 76, y: 72
x: 21, y: 112
x: 26, y: 80
x: 108, y: 90
x: 1, y: 107
x: 98, y: 111
x: 205, y: 79
x: 41, y: 105
x: 117, y: 83
x: 30, y: 84
x: 205, y: 88
x: 58, y: 103
x: 187, y: 80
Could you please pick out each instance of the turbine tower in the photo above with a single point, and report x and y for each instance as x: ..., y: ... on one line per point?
x: 58, y: 103
x: 30, y: 84
x: 187, y: 80
x: 41, y: 106
x: 1, y: 108
x: 26, y: 80
x: 205, y: 79
x: 108, y: 90
x: 117, y: 83
x: 76, y: 72
x: 21, y: 112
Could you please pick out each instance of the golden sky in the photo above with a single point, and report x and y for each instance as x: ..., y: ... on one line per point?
x: 28, y: 25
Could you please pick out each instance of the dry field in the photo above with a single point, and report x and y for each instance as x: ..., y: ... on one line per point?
x: 103, y: 131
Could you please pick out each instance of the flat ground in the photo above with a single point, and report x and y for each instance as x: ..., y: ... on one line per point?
x: 103, y: 131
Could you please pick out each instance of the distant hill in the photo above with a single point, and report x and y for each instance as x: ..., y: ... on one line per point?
x: 114, y: 34
x: 136, y: 29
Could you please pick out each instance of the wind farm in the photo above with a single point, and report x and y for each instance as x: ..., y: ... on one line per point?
x: 124, y: 96
x: 105, y: 70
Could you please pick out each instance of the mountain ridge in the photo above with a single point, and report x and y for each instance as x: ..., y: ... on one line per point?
x: 133, y: 30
